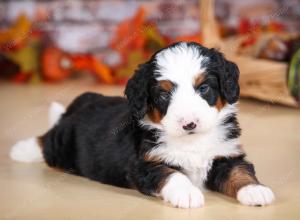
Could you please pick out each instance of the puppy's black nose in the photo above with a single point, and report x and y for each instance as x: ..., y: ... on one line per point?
x: 189, y: 126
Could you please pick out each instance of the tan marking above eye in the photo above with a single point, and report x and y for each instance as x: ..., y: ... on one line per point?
x: 166, y: 85
x: 198, y: 80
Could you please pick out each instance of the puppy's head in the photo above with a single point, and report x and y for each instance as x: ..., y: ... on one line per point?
x: 183, y: 88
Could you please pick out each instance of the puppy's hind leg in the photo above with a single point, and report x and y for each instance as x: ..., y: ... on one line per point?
x: 30, y: 150
x: 27, y: 151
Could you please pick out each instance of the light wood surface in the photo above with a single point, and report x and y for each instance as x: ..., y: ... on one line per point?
x: 34, y: 191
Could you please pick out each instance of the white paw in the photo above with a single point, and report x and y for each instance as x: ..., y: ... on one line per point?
x: 27, y: 151
x: 181, y: 193
x: 255, y: 195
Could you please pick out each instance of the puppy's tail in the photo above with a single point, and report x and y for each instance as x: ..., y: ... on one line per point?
x: 30, y: 150
x: 56, y: 110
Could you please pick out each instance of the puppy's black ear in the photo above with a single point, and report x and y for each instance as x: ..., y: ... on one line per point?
x: 229, y: 80
x: 137, y: 90
x: 228, y: 75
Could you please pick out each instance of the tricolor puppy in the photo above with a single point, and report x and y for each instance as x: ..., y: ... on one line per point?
x: 175, y: 133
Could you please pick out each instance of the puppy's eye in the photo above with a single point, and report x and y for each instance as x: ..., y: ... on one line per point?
x: 164, y: 95
x: 204, y: 89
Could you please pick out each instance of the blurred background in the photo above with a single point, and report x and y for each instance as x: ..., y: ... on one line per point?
x: 50, y: 41
x: 54, y: 50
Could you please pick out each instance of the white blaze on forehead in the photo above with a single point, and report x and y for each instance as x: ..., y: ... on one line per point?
x: 180, y: 64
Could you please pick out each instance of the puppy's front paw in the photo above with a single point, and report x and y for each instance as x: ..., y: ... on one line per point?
x: 181, y: 193
x: 255, y: 195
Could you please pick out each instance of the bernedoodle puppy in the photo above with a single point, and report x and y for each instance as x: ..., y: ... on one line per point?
x: 175, y: 132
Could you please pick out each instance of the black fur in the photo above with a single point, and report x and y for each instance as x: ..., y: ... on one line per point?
x: 148, y: 176
x: 214, y: 92
x: 99, y: 137
x: 226, y: 72
x: 233, y: 127
x: 231, y: 89
x: 219, y: 173
x: 137, y: 90
x: 159, y: 98
x: 88, y: 142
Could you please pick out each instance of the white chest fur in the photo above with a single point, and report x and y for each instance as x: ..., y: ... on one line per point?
x: 195, y: 153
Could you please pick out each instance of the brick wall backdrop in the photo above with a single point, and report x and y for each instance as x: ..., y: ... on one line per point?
x: 88, y: 25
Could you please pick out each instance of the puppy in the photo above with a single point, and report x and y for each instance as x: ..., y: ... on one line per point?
x: 175, y: 133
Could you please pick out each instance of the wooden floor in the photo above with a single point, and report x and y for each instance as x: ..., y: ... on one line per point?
x: 271, y: 137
